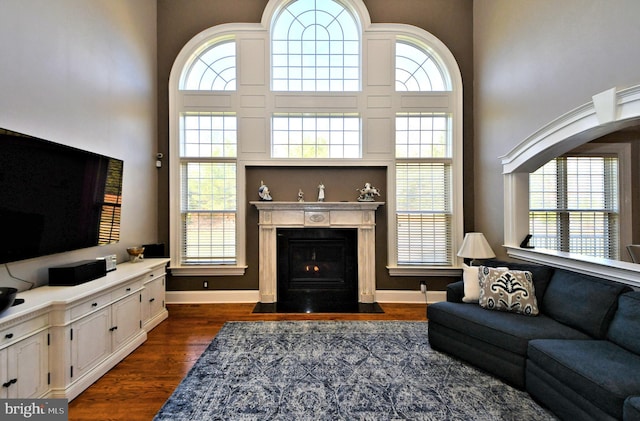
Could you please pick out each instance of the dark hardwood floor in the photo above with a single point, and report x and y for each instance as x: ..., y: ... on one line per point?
x: 138, y: 386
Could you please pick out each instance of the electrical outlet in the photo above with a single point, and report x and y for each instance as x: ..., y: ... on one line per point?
x: 205, y: 284
x: 423, y: 287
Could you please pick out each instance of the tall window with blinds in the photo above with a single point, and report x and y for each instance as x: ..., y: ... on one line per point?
x: 208, y: 192
x: 574, y: 206
x: 423, y: 188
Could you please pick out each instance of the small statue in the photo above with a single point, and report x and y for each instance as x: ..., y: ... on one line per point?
x: 367, y: 193
x: 321, y: 192
x: 263, y: 192
x: 300, y: 196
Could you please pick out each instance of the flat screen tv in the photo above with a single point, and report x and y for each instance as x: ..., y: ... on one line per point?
x: 55, y: 198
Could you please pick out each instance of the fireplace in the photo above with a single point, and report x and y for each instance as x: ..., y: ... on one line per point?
x: 317, y: 269
x: 336, y: 218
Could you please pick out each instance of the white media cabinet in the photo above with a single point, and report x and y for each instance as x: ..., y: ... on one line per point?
x: 64, y: 338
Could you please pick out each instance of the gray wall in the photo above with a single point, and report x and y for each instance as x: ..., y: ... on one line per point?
x: 535, y: 60
x: 83, y: 73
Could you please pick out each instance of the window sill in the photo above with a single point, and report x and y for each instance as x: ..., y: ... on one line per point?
x: 424, y: 271
x: 196, y: 270
x: 614, y: 270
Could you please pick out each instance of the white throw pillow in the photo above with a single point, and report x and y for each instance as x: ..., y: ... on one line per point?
x: 471, y: 284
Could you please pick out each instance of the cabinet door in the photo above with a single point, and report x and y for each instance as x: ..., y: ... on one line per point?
x: 28, y: 364
x: 4, y: 375
x: 153, y: 299
x: 90, y: 342
x: 126, y: 318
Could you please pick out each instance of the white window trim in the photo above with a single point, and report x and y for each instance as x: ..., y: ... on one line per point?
x: 394, y: 102
x: 608, y: 112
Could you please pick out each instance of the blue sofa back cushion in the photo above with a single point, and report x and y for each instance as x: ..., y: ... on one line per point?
x: 541, y: 274
x: 625, y: 326
x: 583, y: 302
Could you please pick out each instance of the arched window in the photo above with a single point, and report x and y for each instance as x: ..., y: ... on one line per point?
x: 315, y: 46
x: 214, y: 69
x: 314, y: 84
x: 208, y: 148
x: 424, y: 164
x: 419, y: 71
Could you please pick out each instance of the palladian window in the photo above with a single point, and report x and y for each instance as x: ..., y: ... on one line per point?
x: 315, y: 83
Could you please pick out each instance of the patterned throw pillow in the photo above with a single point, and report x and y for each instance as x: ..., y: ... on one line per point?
x: 507, y: 290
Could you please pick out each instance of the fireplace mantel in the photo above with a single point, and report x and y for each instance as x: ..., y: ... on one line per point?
x: 274, y: 215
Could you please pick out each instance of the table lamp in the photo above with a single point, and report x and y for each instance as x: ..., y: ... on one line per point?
x: 475, y: 246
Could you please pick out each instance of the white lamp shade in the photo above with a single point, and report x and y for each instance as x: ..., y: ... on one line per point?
x: 475, y: 246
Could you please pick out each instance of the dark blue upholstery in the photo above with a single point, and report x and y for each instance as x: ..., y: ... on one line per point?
x: 625, y: 327
x: 598, y: 371
x: 455, y: 292
x: 583, y: 302
x: 631, y: 410
x: 495, y: 341
x: 505, y: 330
x: 580, y: 357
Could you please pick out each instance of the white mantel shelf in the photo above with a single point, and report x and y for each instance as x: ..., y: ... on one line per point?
x: 359, y: 215
x: 316, y: 206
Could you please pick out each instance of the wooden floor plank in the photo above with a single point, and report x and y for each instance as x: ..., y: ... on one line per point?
x: 138, y: 386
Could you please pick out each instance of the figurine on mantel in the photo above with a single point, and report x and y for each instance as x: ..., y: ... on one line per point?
x: 263, y: 192
x: 300, y: 196
x: 321, y: 192
x: 367, y: 193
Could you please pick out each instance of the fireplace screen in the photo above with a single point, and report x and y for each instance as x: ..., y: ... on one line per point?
x: 317, y: 268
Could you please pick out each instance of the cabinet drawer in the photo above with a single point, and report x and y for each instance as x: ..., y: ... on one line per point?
x: 23, y: 329
x: 90, y: 305
x: 156, y: 273
x: 126, y: 289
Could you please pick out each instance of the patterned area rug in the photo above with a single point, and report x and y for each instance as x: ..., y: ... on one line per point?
x: 335, y: 370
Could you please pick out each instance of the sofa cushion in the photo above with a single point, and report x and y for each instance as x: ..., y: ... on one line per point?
x: 508, y: 331
x: 597, y: 370
x: 507, y: 290
x: 541, y: 274
x: 625, y: 326
x: 581, y: 301
x: 631, y: 409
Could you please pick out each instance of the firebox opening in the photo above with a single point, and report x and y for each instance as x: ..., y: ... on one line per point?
x: 317, y: 269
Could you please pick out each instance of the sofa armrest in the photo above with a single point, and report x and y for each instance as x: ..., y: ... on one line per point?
x: 455, y: 291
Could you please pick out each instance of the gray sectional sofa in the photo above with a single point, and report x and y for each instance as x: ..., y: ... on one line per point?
x: 579, y: 356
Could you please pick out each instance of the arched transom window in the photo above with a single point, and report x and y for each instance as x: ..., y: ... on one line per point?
x: 214, y: 69
x: 419, y: 71
x: 315, y: 46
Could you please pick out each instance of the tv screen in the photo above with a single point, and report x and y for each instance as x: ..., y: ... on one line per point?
x: 55, y: 198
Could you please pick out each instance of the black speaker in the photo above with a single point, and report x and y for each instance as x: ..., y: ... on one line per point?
x: 154, y: 250
x: 77, y: 273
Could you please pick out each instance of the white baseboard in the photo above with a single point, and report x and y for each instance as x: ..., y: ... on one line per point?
x: 212, y: 297
x: 410, y: 297
x: 253, y: 296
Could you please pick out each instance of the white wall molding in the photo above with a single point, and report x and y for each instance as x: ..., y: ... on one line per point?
x: 608, y: 112
x: 212, y: 297
x: 252, y: 296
